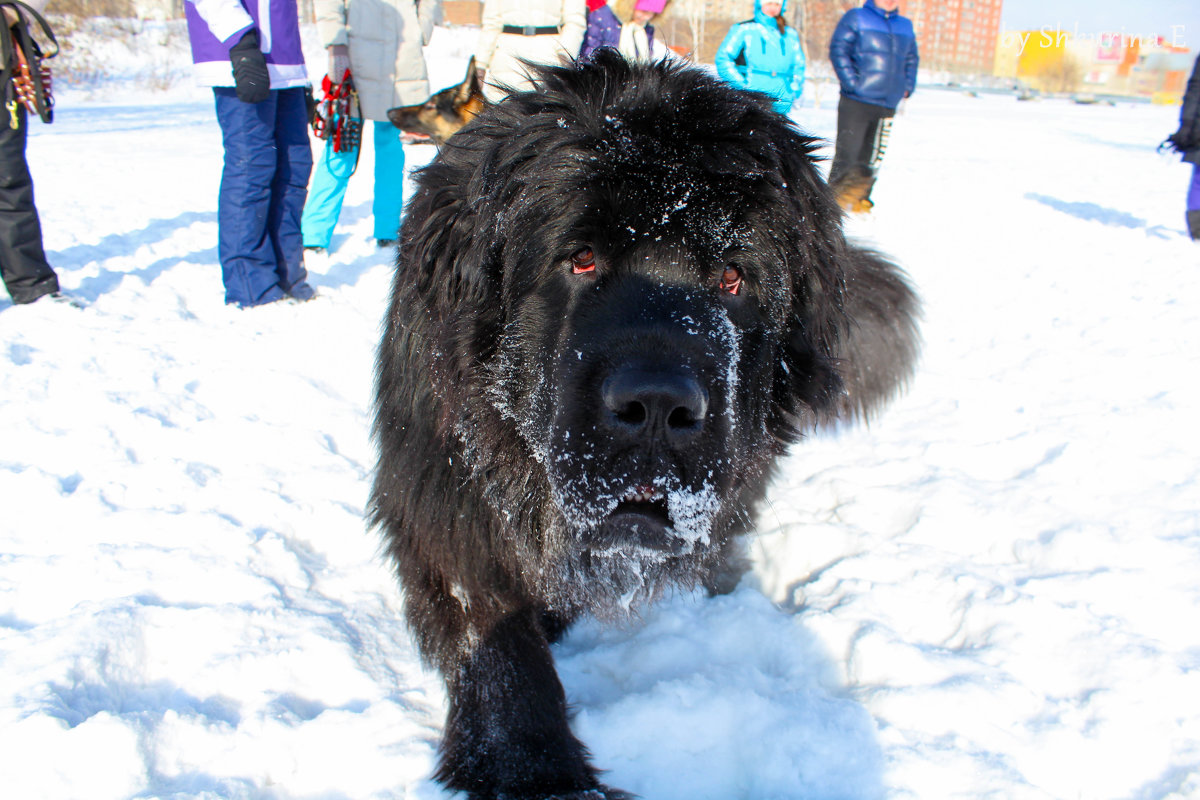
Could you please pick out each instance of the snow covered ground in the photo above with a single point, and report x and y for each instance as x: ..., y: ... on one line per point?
x: 992, y: 592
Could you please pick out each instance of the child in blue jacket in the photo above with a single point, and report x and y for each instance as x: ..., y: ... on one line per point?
x: 764, y: 54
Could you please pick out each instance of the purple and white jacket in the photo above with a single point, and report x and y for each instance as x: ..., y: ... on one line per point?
x: 214, y: 26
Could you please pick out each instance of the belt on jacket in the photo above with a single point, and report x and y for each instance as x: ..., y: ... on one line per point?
x: 787, y: 74
x: 529, y: 30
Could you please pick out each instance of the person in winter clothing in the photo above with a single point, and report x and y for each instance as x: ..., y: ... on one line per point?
x: 1186, y: 141
x: 26, y: 273
x: 764, y: 54
x: 249, y: 53
x: 603, y: 28
x: 538, y: 31
x: 637, y: 35
x: 874, y: 53
x: 380, y: 42
x: 634, y: 38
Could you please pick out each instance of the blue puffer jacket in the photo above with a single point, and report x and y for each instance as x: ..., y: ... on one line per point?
x: 874, y: 53
x: 755, y: 55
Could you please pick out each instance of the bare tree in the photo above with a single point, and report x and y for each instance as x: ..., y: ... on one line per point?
x: 693, y: 12
x: 819, y: 79
x: 1061, y: 74
x: 86, y: 9
x: 801, y: 18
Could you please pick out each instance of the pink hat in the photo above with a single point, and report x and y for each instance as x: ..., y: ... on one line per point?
x: 653, y: 6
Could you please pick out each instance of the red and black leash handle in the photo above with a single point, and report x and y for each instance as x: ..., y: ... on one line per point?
x: 338, y: 116
x: 27, y: 79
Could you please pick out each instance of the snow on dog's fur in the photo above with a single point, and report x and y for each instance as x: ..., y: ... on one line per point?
x: 618, y: 299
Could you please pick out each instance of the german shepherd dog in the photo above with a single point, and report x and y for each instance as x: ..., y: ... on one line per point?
x: 440, y: 117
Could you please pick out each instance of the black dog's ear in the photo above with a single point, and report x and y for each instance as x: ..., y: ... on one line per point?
x: 852, y: 342
x: 448, y: 237
x: 447, y: 283
x: 852, y: 338
x: 877, y: 349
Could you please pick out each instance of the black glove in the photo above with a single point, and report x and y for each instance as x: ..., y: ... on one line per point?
x: 1183, y: 139
x: 1175, y: 143
x: 250, y: 76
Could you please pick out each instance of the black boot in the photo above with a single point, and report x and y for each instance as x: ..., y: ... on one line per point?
x: 852, y: 188
x: 1193, y: 219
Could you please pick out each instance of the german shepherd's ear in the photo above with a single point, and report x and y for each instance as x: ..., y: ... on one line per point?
x: 469, y: 87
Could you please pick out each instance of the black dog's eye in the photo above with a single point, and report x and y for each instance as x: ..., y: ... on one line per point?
x: 731, y: 280
x: 583, y: 260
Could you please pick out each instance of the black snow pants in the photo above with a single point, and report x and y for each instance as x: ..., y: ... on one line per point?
x: 23, y: 266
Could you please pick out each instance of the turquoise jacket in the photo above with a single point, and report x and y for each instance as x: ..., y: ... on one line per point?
x: 755, y: 55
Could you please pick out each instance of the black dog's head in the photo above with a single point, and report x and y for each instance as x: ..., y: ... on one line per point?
x: 444, y: 113
x: 633, y: 283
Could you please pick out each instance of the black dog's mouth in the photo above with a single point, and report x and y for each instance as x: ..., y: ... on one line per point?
x: 640, y: 520
x: 644, y: 503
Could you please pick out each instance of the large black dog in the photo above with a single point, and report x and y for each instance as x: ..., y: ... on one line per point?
x: 618, y: 299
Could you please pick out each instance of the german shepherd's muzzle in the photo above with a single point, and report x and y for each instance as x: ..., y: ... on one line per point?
x: 440, y: 117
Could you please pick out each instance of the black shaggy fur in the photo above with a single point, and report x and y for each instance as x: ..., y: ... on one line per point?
x: 574, y: 407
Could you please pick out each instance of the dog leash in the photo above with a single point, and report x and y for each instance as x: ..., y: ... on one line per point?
x: 29, y: 81
x: 337, y: 117
x: 883, y: 132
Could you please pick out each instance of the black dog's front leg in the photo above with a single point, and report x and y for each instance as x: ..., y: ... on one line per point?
x: 507, y: 734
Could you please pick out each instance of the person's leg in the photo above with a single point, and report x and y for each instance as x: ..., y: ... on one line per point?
x: 851, y: 176
x: 247, y: 254
x: 882, y: 131
x: 325, y: 195
x: 853, y: 130
x: 389, y: 182
x: 1193, y: 204
x: 23, y: 265
x: 289, y: 189
x: 879, y: 131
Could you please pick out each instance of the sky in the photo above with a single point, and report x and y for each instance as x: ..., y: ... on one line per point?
x: 1104, y: 16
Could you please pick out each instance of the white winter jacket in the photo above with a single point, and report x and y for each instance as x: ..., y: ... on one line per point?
x: 498, y: 52
x: 385, y: 39
x: 10, y: 17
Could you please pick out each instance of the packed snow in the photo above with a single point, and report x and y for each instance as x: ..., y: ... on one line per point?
x: 993, y: 591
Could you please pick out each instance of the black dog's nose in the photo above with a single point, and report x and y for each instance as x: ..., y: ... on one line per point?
x: 653, y: 402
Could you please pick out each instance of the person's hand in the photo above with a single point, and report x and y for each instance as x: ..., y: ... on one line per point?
x: 1175, y: 143
x: 1184, y: 139
x: 339, y: 62
x: 251, y: 80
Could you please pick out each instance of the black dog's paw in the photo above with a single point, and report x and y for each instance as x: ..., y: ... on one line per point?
x: 599, y: 793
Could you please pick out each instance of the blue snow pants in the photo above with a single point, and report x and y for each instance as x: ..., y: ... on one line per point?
x: 267, y: 163
x: 333, y: 175
x: 1193, y: 200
